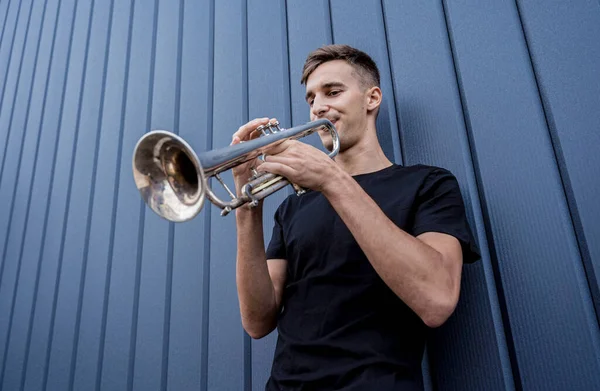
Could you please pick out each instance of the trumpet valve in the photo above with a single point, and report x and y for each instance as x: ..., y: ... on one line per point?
x: 274, y: 126
x: 261, y: 129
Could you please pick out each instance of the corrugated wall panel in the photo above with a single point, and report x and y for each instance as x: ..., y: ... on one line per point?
x: 305, y: 16
x: 433, y: 132
x: 546, y: 300
x: 4, y: 7
x: 10, y: 374
x: 74, y: 246
x: 188, y: 330
x: 116, y: 366
x: 23, y: 341
x: 346, y: 17
x: 268, y: 96
x: 97, y: 292
x: 12, y: 121
x: 229, y: 351
x: 153, y: 312
x: 13, y: 32
x: 96, y: 276
x: 566, y: 62
x: 43, y: 345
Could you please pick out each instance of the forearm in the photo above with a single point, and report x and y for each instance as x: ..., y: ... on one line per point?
x: 255, y: 289
x: 411, y: 268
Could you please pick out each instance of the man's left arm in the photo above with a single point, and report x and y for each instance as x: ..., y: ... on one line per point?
x: 424, y: 271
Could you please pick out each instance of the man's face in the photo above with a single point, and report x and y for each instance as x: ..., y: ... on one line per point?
x: 334, y: 91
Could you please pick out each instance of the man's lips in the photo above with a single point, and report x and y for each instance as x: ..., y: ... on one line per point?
x: 333, y: 121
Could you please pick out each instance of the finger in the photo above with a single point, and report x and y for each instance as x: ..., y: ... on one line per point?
x: 277, y: 169
x: 244, y: 130
x: 279, y: 148
x: 288, y: 161
x: 254, y: 134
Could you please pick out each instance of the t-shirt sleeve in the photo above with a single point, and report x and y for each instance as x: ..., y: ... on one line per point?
x: 441, y: 209
x: 276, y: 247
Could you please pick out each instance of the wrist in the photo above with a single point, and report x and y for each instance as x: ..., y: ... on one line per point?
x: 337, y: 183
x: 246, y: 213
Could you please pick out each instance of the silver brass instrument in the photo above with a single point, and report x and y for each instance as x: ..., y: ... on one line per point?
x: 173, y: 179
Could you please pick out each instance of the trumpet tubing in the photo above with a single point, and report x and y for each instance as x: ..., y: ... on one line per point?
x: 173, y: 180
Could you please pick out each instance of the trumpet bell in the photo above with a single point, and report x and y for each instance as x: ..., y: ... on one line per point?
x: 168, y: 175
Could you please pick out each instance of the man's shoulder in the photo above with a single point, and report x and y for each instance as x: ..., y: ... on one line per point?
x: 417, y: 174
x: 425, y: 169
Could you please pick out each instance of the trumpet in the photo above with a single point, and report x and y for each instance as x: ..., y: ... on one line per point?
x: 173, y: 180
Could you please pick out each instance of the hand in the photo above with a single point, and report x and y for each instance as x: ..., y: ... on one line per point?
x: 301, y: 164
x: 241, y: 173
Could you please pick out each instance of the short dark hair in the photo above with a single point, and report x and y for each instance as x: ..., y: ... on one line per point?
x: 359, y: 60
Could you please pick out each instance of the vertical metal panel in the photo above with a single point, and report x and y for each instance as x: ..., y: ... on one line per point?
x: 10, y: 375
x: 433, y: 132
x: 96, y: 276
x: 73, y: 248
x: 566, y: 60
x: 119, y: 346
x: 308, y: 28
x: 268, y: 96
x: 547, y: 301
x: 22, y: 333
x: 15, y: 93
x: 10, y: 170
x: 229, y: 361
x: 360, y: 24
x: 12, y: 33
x: 153, y: 312
x: 52, y: 245
x: 188, y: 343
x: 4, y: 6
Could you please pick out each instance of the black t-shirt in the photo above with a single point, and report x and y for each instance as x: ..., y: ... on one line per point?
x: 340, y: 326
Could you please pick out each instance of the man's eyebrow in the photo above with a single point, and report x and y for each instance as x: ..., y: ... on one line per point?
x: 327, y: 85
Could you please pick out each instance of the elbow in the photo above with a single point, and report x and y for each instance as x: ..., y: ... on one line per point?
x: 442, y: 301
x: 257, y: 334
x: 438, y: 313
x: 434, y: 321
x: 258, y: 331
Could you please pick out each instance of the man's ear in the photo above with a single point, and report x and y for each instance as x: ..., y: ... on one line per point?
x: 374, y: 97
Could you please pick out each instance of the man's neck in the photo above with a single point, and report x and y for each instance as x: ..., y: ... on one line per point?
x: 364, y: 157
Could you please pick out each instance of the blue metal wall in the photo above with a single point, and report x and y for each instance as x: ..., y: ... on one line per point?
x: 98, y: 293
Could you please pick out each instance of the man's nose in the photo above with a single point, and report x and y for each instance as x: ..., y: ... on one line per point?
x: 318, y: 108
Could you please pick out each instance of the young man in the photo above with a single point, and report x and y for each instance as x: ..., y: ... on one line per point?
x: 359, y: 267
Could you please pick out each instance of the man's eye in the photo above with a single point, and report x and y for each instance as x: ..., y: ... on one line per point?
x: 334, y: 92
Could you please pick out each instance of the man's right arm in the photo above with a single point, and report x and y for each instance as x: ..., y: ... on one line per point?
x: 259, y: 282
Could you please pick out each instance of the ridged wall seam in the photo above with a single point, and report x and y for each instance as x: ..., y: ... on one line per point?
x: 67, y: 202
x: 563, y: 173
x: 515, y: 375
x: 91, y: 202
x: 47, y: 213
x: 12, y: 206
x: 110, y: 257
x: 207, y: 216
x: 246, y: 117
